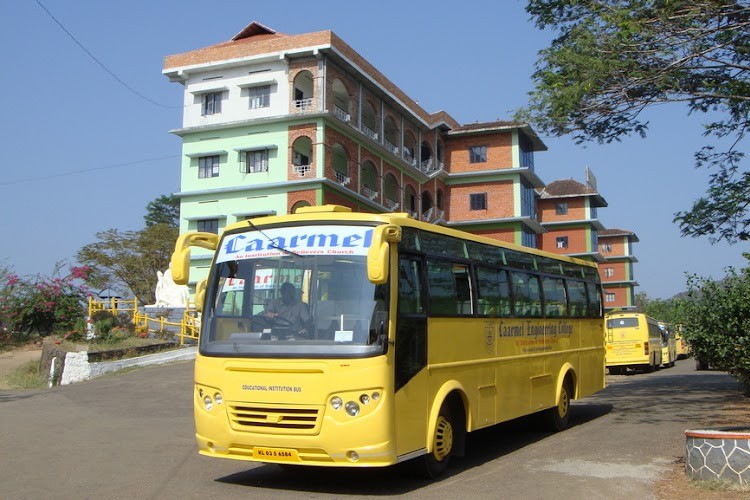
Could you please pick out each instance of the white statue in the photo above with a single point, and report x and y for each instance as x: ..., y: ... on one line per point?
x: 168, y: 293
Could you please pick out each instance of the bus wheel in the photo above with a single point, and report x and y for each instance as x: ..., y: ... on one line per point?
x: 557, y: 418
x: 442, y: 444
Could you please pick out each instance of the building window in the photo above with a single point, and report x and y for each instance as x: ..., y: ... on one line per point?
x: 609, y: 297
x: 260, y: 97
x: 609, y: 272
x: 477, y: 154
x: 208, y: 226
x: 606, y: 248
x: 257, y: 161
x: 527, y: 152
x: 528, y: 238
x: 211, y: 103
x: 528, y: 200
x: 478, y: 201
x: 562, y: 241
x: 561, y: 208
x: 208, y: 166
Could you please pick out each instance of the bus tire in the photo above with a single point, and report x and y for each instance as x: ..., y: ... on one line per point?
x: 436, y: 462
x: 557, y: 418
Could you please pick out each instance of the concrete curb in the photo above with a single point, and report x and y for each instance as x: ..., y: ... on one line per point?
x: 77, y: 367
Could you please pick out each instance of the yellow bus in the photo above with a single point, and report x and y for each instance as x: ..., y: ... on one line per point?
x: 668, y: 345
x: 683, y: 350
x: 411, y: 335
x: 633, y: 340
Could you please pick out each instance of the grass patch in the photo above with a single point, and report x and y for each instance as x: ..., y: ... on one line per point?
x: 27, y: 377
x: 716, y: 485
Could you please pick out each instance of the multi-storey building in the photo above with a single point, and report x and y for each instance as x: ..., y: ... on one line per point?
x: 616, y: 271
x: 568, y: 210
x: 273, y: 122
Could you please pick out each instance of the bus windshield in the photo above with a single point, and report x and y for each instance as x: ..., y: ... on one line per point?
x: 312, y: 300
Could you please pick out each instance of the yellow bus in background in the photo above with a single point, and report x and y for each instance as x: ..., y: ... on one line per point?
x: 415, y: 335
x: 668, y: 345
x: 683, y: 350
x: 633, y: 340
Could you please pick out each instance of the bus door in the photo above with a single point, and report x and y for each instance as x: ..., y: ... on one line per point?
x: 410, y: 382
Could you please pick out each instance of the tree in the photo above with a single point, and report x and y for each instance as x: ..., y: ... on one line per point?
x: 717, y: 322
x: 612, y: 59
x: 163, y: 210
x: 130, y: 258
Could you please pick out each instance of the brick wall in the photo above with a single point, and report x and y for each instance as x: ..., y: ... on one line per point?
x: 499, y: 152
x: 577, y: 240
x: 499, y: 201
x: 546, y: 209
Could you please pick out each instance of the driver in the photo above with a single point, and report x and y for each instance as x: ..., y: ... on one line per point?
x: 291, y: 309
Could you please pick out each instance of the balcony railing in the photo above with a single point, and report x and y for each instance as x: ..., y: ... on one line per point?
x: 342, y: 179
x: 433, y: 214
x: 370, y: 193
x: 303, y: 105
x: 391, y: 147
x: 409, y: 157
x: 341, y: 114
x: 301, y: 170
x: 369, y: 132
x: 391, y: 205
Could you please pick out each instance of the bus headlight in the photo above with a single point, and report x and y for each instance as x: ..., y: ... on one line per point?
x: 336, y: 402
x: 208, y: 402
x: 352, y: 408
x: 364, y: 399
x: 218, y: 398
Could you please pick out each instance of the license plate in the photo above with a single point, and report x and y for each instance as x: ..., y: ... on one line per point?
x: 275, y: 454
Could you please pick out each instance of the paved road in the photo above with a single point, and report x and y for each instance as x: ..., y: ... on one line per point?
x: 130, y: 435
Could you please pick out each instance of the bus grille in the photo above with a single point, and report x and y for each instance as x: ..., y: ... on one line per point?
x: 272, y: 419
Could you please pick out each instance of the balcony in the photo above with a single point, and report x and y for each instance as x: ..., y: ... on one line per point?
x: 370, y: 133
x: 391, y: 204
x: 391, y: 147
x: 342, y: 179
x: 304, y: 105
x: 301, y: 170
x: 341, y: 114
x: 370, y: 193
x: 410, y: 158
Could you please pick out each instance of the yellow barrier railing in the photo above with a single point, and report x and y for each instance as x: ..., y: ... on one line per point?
x: 154, y: 324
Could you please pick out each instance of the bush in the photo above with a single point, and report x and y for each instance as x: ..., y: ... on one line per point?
x: 42, y: 306
x: 717, y: 323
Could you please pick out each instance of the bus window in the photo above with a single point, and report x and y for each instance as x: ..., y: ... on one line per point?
x: 555, y: 302
x: 595, y: 299
x: 526, y: 294
x: 409, y: 289
x: 449, y: 287
x: 577, y: 298
x: 493, y: 293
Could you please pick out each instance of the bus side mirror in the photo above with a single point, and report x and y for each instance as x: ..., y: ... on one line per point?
x: 200, y: 295
x: 180, y: 263
x: 377, y: 256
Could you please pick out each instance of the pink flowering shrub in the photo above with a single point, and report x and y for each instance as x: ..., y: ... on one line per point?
x: 42, y: 306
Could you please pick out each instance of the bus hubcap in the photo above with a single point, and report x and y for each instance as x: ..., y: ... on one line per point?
x: 443, y: 438
x: 562, y: 408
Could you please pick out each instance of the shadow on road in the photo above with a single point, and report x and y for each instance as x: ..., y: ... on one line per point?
x: 689, y: 396
x: 482, y: 446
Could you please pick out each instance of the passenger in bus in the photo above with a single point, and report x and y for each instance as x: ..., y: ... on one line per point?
x: 290, y: 308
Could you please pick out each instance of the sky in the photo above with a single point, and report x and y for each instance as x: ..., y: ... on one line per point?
x: 86, y: 116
